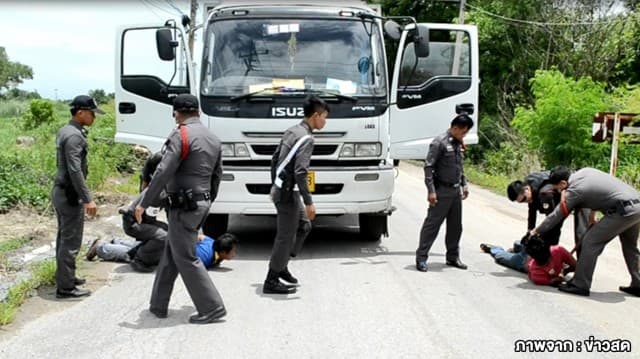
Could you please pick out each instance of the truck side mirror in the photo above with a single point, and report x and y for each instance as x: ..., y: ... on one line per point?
x: 165, y: 44
x: 392, y: 29
x: 421, y: 41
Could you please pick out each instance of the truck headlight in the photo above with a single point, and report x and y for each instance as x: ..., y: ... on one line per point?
x: 241, y: 150
x: 347, y: 150
x: 367, y: 149
x: 235, y: 150
x: 227, y: 150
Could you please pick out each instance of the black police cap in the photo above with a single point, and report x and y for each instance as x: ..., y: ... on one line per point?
x: 84, y: 102
x: 185, y: 103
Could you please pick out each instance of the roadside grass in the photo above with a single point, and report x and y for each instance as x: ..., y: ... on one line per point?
x: 42, y: 274
x: 495, y: 183
x: 13, y: 244
x: 14, y: 107
x: 128, y: 186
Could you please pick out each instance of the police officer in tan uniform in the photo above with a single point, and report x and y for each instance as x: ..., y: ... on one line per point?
x: 190, y: 171
x: 447, y: 186
x: 620, y: 203
x: 71, y: 197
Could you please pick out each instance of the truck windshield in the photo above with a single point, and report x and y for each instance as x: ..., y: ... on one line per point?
x: 274, y: 57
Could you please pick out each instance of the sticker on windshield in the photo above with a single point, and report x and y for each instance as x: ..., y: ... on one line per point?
x: 272, y: 29
x: 282, y: 29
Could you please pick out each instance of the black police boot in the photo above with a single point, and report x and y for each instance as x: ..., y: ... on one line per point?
x: 140, y: 266
x: 286, y: 276
x: 272, y: 285
x: 72, y: 293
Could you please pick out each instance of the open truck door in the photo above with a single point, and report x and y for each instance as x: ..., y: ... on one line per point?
x: 428, y: 83
x: 151, y: 69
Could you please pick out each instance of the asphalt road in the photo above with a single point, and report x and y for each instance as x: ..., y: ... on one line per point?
x: 357, y: 299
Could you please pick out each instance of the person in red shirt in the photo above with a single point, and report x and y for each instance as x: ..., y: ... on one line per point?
x: 548, y: 264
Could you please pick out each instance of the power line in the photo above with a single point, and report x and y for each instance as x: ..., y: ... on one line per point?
x: 151, y: 9
x: 536, y: 23
x: 163, y: 9
x: 174, y: 6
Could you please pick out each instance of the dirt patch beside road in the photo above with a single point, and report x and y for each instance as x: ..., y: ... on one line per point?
x: 41, y: 230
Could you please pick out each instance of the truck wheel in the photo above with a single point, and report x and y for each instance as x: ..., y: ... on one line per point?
x: 372, y: 226
x: 215, y: 224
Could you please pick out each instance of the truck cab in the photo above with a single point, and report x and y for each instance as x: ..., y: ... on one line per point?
x: 260, y: 59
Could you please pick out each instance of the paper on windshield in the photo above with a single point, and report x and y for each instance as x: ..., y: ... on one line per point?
x: 297, y: 84
x: 260, y: 87
x: 344, y: 86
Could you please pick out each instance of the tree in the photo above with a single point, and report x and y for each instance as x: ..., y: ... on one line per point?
x: 16, y: 93
x: 99, y: 95
x: 421, y: 10
x: 579, y: 38
x: 12, y: 73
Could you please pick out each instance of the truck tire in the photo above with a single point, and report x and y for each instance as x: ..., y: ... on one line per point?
x: 215, y: 224
x: 372, y: 226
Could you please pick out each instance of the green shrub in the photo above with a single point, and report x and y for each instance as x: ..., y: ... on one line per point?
x: 21, y: 183
x: 560, y: 122
x: 40, y: 112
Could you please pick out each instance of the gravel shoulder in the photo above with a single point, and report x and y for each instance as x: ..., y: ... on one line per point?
x: 41, y: 229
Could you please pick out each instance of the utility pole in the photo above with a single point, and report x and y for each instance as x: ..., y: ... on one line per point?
x: 192, y: 16
x: 458, y: 47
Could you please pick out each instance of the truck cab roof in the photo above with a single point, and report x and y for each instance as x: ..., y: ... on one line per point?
x: 287, y: 7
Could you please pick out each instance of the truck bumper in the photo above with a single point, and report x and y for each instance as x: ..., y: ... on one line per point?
x: 366, y: 190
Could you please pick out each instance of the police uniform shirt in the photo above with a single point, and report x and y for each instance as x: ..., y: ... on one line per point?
x: 589, y: 188
x: 444, y: 162
x: 536, y: 181
x: 71, y: 158
x: 197, y: 171
x: 296, y: 171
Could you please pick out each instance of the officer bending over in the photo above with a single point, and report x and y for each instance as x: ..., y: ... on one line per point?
x: 190, y: 171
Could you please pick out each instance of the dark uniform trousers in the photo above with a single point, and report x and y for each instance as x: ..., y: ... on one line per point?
x: 449, y: 207
x: 596, y: 238
x: 68, y: 238
x: 152, y: 234
x: 293, y: 227
x: 179, y: 257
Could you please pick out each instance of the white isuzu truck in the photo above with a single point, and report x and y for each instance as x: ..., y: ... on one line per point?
x: 258, y: 61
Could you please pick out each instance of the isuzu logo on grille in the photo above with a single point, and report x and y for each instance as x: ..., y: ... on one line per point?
x: 287, y: 112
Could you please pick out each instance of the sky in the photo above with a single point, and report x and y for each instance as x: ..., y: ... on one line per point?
x: 70, y: 45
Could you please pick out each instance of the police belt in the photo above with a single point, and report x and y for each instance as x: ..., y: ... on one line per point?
x: 204, y: 196
x: 620, y: 206
x: 447, y: 184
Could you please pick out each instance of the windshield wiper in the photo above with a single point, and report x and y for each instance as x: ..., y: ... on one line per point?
x: 287, y: 90
x: 251, y: 94
x: 329, y: 93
